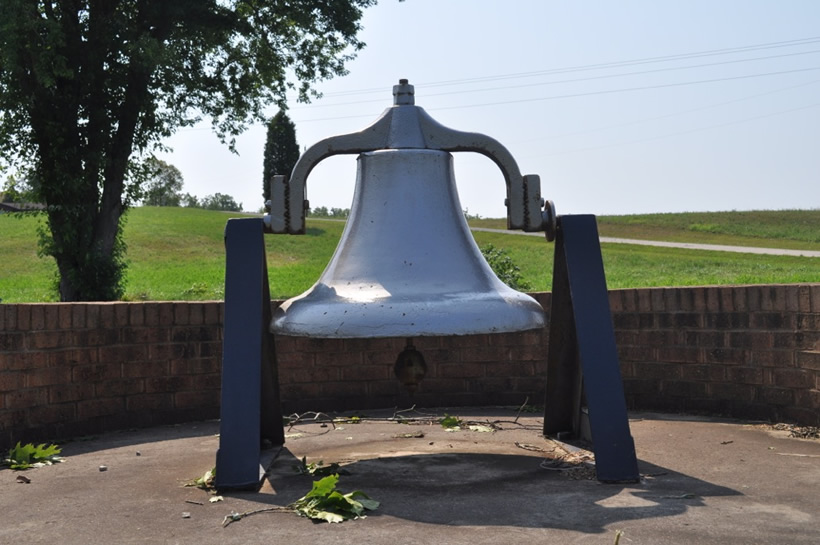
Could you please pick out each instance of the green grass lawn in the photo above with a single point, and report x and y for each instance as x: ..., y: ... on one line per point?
x: 178, y: 253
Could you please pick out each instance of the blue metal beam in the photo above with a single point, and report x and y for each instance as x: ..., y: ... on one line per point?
x: 583, y: 351
x: 250, y: 408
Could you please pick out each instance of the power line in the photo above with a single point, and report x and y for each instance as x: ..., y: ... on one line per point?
x: 574, y: 80
x: 666, y: 116
x: 647, y: 60
x: 680, y: 133
x: 597, y: 66
x: 629, y: 89
x: 590, y: 93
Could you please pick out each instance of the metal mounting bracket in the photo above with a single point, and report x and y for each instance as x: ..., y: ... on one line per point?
x: 583, y: 357
x: 406, y: 126
x: 250, y: 408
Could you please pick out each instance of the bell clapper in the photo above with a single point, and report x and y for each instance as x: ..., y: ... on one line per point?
x: 410, y: 367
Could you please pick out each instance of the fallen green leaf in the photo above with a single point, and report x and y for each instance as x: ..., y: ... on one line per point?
x: 28, y: 456
x: 318, y: 469
x: 324, y: 502
x: 323, y: 487
x: 363, y: 499
x: 450, y: 422
x: 206, y: 482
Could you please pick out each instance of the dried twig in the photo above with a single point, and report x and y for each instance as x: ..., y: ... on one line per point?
x: 295, y: 418
x: 534, y: 448
x: 800, y: 432
x: 397, y: 410
x: 521, y: 408
x: 233, y: 517
x: 519, y: 424
x: 656, y: 474
x: 400, y: 418
x: 424, y: 418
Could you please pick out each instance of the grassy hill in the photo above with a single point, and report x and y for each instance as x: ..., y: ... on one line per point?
x: 178, y: 253
x: 790, y: 229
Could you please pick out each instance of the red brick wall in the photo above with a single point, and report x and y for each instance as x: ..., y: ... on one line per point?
x: 745, y: 351
x: 78, y: 369
x: 327, y: 374
x: 85, y: 368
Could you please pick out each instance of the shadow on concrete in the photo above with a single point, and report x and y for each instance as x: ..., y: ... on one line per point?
x: 133, y: 437
x: 466, y: 489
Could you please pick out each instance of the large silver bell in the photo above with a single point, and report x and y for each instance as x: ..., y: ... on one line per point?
x: 406, y: 264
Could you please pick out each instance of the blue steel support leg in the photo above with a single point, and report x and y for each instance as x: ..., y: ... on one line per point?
x: 250, y: 392
x: 582, y: 344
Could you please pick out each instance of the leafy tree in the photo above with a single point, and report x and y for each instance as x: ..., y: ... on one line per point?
x: 218, y: 201
x: 281, y: 150
x: 468, y: 216
x: 16, y: 190
x: 323, y: 212
x: 89, y: 89
x: 164, y: 186
x: 190, y: 201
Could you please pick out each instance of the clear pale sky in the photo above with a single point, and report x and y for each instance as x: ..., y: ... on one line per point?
x: 631, y: 106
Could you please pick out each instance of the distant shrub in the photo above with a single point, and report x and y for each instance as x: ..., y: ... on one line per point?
x: 468, y: 216
x: 705, y: 228
x: 504, y: 267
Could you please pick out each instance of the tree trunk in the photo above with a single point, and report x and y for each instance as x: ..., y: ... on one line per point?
x: 85, y: 224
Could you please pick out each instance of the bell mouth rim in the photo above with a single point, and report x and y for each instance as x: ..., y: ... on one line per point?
x: 297, y: 335
x: 455, y: 316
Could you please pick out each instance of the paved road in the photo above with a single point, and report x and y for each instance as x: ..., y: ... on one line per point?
x: 686, y: 245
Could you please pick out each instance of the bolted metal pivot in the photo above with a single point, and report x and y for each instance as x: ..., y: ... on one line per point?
x: 549, y: 221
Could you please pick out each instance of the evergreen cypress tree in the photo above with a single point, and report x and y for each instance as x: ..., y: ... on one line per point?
x: 281, y: 150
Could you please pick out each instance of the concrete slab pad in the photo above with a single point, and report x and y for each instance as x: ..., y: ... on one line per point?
x: 704, y: 481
